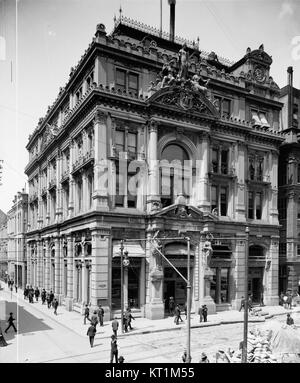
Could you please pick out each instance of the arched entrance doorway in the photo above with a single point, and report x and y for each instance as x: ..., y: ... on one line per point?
x: 256, y: 272
x: 174, y: 284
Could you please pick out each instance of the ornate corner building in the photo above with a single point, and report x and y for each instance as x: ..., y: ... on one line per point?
x: 149, y: 135
x: 289, y: 190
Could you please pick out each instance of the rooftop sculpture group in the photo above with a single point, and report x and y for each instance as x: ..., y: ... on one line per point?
x: 175, y: 73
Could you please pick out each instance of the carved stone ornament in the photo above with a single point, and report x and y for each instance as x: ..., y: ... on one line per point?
x: 48, y: 135
x: 156, y: 274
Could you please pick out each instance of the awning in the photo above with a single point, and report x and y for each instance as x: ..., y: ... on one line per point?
x: 134, y: 249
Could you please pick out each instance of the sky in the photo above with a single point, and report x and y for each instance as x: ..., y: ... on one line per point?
x: 40, y: 40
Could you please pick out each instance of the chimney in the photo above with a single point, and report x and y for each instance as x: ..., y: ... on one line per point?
x: 290, y: 96
x: 172, y: 4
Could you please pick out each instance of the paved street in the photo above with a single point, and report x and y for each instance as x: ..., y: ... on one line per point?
x: 42, y: 338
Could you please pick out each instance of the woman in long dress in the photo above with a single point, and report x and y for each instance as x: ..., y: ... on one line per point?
x: 2, y: 340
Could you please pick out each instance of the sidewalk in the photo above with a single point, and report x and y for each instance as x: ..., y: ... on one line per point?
x: 74, y: 321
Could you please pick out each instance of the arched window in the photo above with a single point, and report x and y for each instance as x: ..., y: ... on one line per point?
x: 175, y: 174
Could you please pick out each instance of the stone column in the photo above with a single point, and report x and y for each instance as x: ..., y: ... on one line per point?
x: 155, y: 306
x: 28, y: 260
x: 57, y: 267
x: 70, y: 271
x: 100, y: 274
x: 40, y: 202
x: 142, y: 284
x: 202, y: 169
x: 39, y: 263
x: 48, y: 264
x: 84, y: 201
x: 58, y: 188
x: 100, y: 194
x: 153, y: 198
x: 71, y: 181
x: 271, y: 270
x: 240, y: 193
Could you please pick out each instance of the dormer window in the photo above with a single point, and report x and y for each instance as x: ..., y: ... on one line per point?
x: 224, y: 106
x: 127, y: 81
x: 90, y: 79
x: 259, y: 118
x: 78, y: 94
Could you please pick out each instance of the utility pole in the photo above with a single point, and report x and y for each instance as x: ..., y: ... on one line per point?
x: 245, y: 340
x: 122, y: 283
x: 188, y: 308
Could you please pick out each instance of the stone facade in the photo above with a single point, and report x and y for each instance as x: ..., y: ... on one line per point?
x: 17, y: 219
x: 100, y: 170
x: 289, y: 190
x: 3, y: 246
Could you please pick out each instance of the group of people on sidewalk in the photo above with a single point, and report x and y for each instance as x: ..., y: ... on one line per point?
x: 46, y: 297
x: 97, y: 318
x: 286, y: 300
x: 174, y: 310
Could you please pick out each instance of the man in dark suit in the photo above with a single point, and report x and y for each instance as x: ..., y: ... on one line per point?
x: 129, y: 317
x: 177, y: 314
x: 51, y: 297
x: 55, y: 305
x: 114, y: 349
x: 94, y: 319
x: 115, y: 326
x: 91, y: 332
x: 242, y: 304
x: 86, y: 314
x: 10, y: 322
x: 43, y: 296
x: 204, y: 312
x: 100, y: 315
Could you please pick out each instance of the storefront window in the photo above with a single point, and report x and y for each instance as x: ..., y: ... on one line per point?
x: 224, y: 285
x: 213, y: 285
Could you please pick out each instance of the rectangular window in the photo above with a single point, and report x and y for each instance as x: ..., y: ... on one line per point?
x: 250, y: 205
x: 258, y: 205
x: 214, y: 198
x: 133, y: 83
x: 224, y: 161
x: 215, y: 160
x: 226, y: 108
x: 119, y: 198
x: 223, y: 201
x: 120, y: 141
x: 132, y: 143
x: 121, y: 79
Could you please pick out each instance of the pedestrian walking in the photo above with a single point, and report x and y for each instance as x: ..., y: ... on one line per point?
x: 43, y: 296
x: 204, y: 358
x: 129, y: 317
x: 242, y: 304
x: 285, y: 299
x: 177, y: 314
x: 289, y: 320
x: 115, y: 326
x: 51, y: 296
x: 2, y: 339
x: 48, y: 300
x: 94, y: 319
x: 55, y: 305
x: 289, y: 301
x: 91, y: 332
x: 200, y: 313
x: 125, y: 322
x: 250, y: 303
x: 204, y: 312
x: 100, y: 315
x: 185, y: 358
x: 26, y: 291
x: 10, y: 322
x: 30, y: 295
x: 36, y: 294
x: 114, y: 349
x: 171, y: 306
x: 86, y: 314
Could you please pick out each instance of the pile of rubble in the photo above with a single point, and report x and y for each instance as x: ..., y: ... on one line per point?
x: 258, y: 350
x: 273, y: 343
